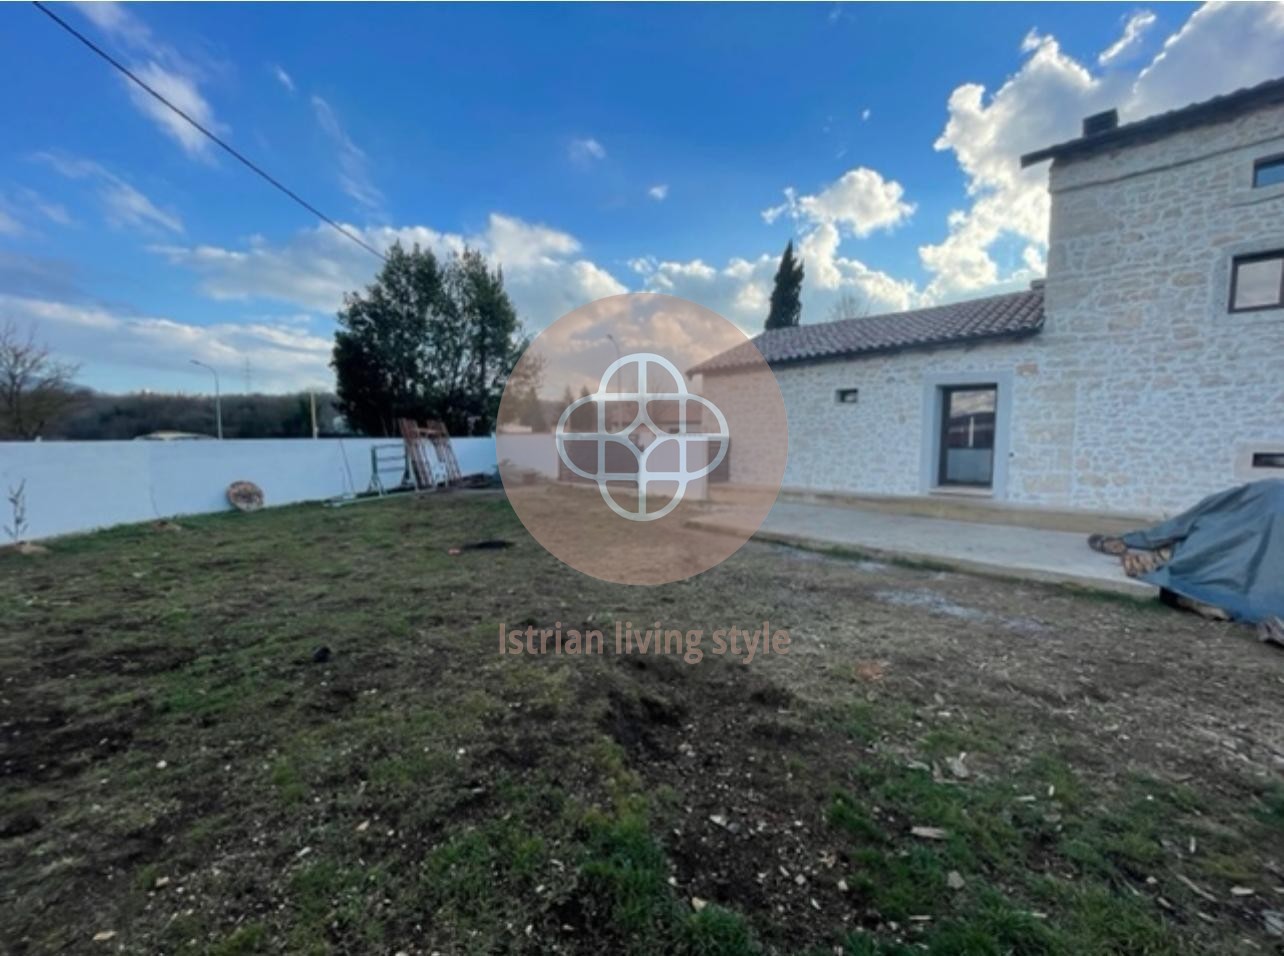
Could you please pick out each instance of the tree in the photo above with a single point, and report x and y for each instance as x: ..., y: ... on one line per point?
x: 35, y: 388
x: 426, y: 341
x: 849, y: 305
x: 101, y: 417
x: 786, y: 296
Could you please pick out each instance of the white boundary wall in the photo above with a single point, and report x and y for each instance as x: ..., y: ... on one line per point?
x: 80, y: 485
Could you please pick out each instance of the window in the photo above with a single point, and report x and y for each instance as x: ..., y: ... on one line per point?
x: 1268, y: 459
x: 1257, y: 282
x: 1268, y: 171
x: 847, y: 396
x: 967, y: 435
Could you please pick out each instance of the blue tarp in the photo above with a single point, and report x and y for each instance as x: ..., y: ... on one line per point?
x: 1228, y: 551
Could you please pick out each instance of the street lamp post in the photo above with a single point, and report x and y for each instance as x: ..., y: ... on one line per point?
x: 218, y: 399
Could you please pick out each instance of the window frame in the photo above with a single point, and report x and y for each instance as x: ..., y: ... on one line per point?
x: 1248, y: 258
x: 1276, y: 159
x: 847, y: 396
x: 943, y: 432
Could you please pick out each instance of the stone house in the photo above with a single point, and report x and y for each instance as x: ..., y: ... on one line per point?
x: 1146, y: 371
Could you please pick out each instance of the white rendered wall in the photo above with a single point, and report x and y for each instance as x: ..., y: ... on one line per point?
x: 78, y: 486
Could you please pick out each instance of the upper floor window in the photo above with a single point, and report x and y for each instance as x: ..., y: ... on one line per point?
x: 1268, y: 171
x: 1257, y: 281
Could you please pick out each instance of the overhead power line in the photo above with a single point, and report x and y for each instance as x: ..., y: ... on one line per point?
x: 231, y: 150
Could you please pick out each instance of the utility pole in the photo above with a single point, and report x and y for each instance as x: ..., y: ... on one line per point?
x: 218, y: 398
x: 620, y: 372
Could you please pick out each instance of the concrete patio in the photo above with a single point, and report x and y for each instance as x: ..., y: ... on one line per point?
x: 1001, y: 549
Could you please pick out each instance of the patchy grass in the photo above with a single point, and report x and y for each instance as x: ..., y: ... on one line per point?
x: 179, y: 771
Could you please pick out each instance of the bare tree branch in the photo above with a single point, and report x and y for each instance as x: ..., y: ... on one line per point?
x: 849, y: 305
x: 35, y: 387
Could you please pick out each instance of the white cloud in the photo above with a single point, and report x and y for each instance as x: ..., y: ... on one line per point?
x: 284, y: 355
x: 116, y: 20
x: 52, y: 211
x: 1243, y: 41
x: 123, y: 205
x: 1134, y: 29
x: 585, y: 151
x: 1044, y: 102
x: 1032, y: 41
x: 542, y: 270
x: 866, y: 113
x: 182, y: 91
x: 126, y: 206
x: 860, y: 201
x: 659, y: 192
x: 354, y: 174
x: 19, y: 207
x: 162, y: 68
x: 741, y: 289
x: 282, y: 77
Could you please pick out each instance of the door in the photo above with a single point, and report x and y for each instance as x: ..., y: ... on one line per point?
x: 966, y: 453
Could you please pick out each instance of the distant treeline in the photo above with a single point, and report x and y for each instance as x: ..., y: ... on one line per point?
x: 98, y: 417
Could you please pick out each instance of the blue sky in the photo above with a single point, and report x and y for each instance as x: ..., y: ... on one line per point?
x: 590, y: 149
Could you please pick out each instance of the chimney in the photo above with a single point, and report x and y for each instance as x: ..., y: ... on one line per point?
x: 1100, y: 122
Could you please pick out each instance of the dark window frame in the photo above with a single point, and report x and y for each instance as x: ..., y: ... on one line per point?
x: 847, y: 396
x: 1238, y: 261
x: 943, y: 434
x: 1266, y: 161
x: 1268, y: 459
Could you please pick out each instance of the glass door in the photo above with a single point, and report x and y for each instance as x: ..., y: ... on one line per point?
x: 967, y: 435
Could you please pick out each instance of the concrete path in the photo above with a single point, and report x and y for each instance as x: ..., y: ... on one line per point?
x: 1027, y: 553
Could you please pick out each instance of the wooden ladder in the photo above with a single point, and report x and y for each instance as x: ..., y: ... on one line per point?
x: 419, y: 468
x: 435, y: 435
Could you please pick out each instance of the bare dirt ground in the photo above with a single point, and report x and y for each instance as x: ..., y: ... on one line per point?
x: 940, y: 763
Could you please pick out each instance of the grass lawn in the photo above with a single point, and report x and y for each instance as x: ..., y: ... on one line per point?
x: 940, y: 763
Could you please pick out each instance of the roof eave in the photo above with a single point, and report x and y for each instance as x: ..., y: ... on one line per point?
x: 886, y: 350
x: 1213, y: 110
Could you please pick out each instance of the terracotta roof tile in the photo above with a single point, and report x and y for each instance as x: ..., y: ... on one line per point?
x: 959, y: 323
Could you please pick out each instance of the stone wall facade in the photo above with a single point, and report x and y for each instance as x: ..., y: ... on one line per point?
x: 1143, y: 391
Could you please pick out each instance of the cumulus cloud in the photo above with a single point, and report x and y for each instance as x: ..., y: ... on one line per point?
x: 1134, y: 29
x: 585, y: 151
x: 166, y: 71
x: 354, y: 173
x: 740, y: 290
x: 123, y: 205
x: 859, y: 202
x: 543, y: 271
x: 1044, y: 102
x: 1222, y: 47
x: 659, y: 192
x: 284, y: 355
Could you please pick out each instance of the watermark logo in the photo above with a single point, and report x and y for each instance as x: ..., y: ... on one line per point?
x: 660, y: 409
x: 622, y: 419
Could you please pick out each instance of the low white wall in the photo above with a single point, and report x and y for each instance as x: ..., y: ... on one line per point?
x: 536, y: 451
x: 77, y: 486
